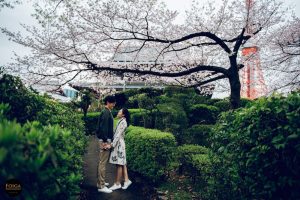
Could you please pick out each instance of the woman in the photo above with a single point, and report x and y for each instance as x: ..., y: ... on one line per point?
x: 118, y: 153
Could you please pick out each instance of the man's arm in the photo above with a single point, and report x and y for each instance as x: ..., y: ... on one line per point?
x: 103, y: 127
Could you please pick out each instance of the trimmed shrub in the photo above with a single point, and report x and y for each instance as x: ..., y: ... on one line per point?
x: 190, y: 149
x: 56, y: 113
x: 259, y: 150
x: 47, y: 160
x: 171, y: 117
x: 223, y: 105
x: 136, y: 110
x: 137, y: 119
x: 132, y: 103
x: 194, y: 160
x: 91, y: 122
x: 245, y: 102
x: 198, y: 134
x: 203, y: 114
x: 150, y: 152
x: 172, y: 90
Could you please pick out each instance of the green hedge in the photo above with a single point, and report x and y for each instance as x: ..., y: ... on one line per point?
x: 91, y: 122
x: 224, y: 105
x: 204, y: 114
x: 259, y: 150
x: 171, y: 117
x: 47, y: 160
x: 24, y: 104
x: 150, y: 152
x: 194, y: 161
x: 198, y: 134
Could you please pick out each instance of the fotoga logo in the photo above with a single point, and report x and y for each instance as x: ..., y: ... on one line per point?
x: 13, y: 187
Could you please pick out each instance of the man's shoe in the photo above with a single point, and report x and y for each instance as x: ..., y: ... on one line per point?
x: 126, y: 184
x: 106, y: 184
x: 105, y: 190
x: 115, y: 187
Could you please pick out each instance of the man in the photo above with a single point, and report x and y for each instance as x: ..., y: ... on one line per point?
x: 105, y: 136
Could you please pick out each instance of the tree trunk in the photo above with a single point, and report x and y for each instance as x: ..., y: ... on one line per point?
x: 235, y: 84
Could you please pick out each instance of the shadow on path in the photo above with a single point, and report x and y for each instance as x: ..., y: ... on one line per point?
x: 137, y: 191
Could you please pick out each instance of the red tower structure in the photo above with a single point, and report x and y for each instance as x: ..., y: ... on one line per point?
x: 252, y: 80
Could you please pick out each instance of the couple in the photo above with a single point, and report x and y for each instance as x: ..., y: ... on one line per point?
x: 112, y: 146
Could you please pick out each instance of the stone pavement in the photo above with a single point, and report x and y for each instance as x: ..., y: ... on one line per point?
x: 137, y: 191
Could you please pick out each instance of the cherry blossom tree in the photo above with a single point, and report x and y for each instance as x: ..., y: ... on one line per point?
x: 8, y: 3
x: 285, y: 59
x: 140, y: 39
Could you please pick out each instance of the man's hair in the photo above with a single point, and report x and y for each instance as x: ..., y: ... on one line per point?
x: 109, y: 99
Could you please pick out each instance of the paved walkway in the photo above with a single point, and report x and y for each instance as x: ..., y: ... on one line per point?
x: 137, y: 191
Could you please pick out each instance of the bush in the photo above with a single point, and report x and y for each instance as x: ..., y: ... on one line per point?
x: 223, y: 105
x: 136, y: 110
x: 173, y: 90
x: 203, y: 114
x: 24, y: 104
x: 137, y: 119
x: 245, y: 102
x: 171, y: 117
x: 47, y: 160
x: 259, y: 149
x: 28, y: 106
x: 198, y: 134
x: 150, y: 152
x: 194, y: 160
x: 56, y: 113
x: 91, y: 122
x: 132, y: 103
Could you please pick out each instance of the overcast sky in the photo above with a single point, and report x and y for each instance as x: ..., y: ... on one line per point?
x: 11, y: 18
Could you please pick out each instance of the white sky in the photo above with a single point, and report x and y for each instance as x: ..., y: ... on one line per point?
x: 11, y: 19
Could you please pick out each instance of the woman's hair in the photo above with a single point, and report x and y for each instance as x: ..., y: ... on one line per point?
x: 126, y: 115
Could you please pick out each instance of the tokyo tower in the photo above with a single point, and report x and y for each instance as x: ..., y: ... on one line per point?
x: 251, y: 76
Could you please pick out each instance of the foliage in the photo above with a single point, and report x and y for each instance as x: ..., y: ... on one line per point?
x: 56, y: 113
x: 204, y: 114
x: 258, y: 148
x: 86, y: 100
x: 198, y: 134
x: 140, y: 118
x: 245, y: 102
x: 173, y: 90
x: 121, y: 100
x: 91, y: 122
x: 171, y: 117
x: 24, y: 104
x: 27, y: 106
x: 223, y: 105
x: 150, y: 152
x: 50, y: 158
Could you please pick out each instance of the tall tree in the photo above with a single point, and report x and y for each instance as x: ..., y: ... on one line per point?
x: 141, y: 40
x: 8, y: 3
x: 285, y: 57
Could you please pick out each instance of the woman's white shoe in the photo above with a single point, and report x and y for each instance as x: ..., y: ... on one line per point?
x: 115, y: 187
x: 126, y: 184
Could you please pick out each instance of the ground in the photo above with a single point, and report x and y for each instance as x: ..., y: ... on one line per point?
x: 139, y: 190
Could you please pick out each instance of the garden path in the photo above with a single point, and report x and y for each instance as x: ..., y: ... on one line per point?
x: 137, y: 191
